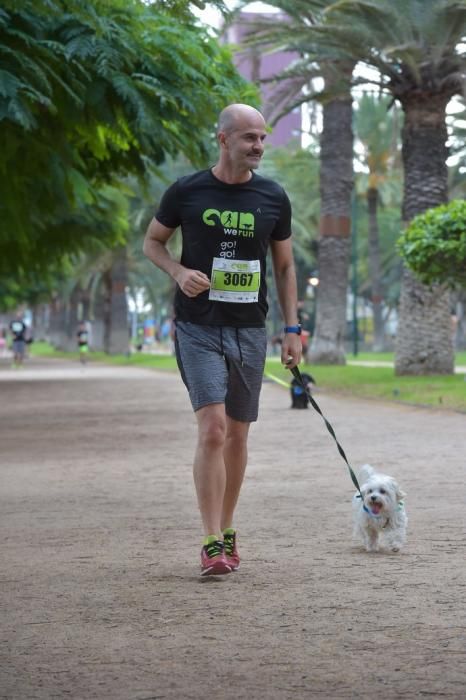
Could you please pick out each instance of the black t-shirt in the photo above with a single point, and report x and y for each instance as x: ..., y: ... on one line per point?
x: 18, y: 330
x: 82, y: 337
x: 228, y: 222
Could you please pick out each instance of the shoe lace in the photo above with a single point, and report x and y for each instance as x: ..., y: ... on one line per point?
x: 213, y: 549
x: 229, y: 544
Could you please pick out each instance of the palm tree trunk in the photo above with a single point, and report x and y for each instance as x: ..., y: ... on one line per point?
x: 119, y: 329
x: 460, y: 331
x: 336, y: 183
x: 424, y: 343
x: 375, y: 270
x: 97, y: 316
x: 106, y: 309
x: 72, y: 319
x: 57, y: 323
x: 41, y: 321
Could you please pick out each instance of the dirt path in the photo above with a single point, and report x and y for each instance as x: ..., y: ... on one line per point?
x: 100, y: 539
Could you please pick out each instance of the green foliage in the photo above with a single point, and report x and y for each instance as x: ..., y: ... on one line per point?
x: 413, y: 45
x: 389, y: 222
x: 377, y: 129
x: 297, y: 170
x: 90, y: 92
x: 434, y: 245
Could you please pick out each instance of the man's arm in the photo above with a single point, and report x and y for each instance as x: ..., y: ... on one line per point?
x: 285, y: 280
x: 191, y: 282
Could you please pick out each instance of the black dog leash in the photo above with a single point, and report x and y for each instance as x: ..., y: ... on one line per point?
x: 297, y: 375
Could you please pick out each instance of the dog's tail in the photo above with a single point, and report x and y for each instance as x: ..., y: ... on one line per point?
x: 365, y: 473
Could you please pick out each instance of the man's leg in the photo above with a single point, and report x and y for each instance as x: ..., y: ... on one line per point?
x: 209, y: 465
x: 235, y: 454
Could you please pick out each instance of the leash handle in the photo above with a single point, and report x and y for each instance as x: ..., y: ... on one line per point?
x: 297, y: 375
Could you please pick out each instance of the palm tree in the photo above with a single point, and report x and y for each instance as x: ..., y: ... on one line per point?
x: 415, y: 47
x: 457, y: 141
x: 377, y: 132
x: 336, y: 156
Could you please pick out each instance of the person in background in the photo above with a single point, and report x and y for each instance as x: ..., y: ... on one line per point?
x: 18, y: 331
x: 3, y: 343
x: 82, y: 335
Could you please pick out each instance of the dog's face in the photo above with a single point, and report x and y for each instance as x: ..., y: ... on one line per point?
x: 381, y: 494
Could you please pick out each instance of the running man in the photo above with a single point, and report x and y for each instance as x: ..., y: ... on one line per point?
x: 18, y: 331
x: 229, y: 216
x: 82, y: 335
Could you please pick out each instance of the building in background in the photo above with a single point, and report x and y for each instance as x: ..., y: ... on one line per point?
x: 256, y: 66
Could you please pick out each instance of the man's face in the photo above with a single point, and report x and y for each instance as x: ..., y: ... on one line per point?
x: 245, y: 143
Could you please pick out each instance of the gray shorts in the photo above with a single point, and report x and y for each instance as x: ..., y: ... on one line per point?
x: 221, y: 364
x: 19, y: 347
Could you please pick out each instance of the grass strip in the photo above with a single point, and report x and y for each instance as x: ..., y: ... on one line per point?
x: 439, y: 391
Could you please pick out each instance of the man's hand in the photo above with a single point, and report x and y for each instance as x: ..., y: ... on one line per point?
x: 292, y: 349
x: 192, y: 282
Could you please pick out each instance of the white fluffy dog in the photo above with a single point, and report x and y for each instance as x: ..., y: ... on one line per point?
x: 379, y: 517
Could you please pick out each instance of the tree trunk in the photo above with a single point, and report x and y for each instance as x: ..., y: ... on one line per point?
x: 336, y: 183
x: 375, y: 272
x: 460, y: 330
x: 57, y: 333
x: 117, y: 336
x: 72, y: 320
x: 41, y: 322
x: 97, y: 314
x: 425, y: 346
x: 106, y: 309
x: 424, y: 343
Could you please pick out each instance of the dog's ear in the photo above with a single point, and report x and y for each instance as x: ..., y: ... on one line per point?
x: 365, y: 473
x: 399, y: 494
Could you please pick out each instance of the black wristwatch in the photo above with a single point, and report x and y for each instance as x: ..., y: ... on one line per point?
x: 293, y: 329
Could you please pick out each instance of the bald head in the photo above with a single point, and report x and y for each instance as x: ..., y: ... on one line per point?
x: 234, y: 116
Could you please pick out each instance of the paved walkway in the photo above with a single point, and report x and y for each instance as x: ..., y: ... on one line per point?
x: 100, y: 592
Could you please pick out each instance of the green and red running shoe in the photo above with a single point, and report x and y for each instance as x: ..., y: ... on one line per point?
x: 231, y: 548
x: 213, y: 559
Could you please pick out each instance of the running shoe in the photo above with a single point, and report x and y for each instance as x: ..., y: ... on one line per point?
x: 231, y: 548
x: 213, y: 560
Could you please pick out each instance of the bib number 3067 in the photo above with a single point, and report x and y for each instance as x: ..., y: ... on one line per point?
x: 238, y: 279
x: 235, y: 280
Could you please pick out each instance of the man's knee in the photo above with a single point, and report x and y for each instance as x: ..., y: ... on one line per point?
x: 212, y: 429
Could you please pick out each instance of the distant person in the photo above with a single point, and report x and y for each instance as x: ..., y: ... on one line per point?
x: 18, y: 331
x: 82, y: 335
x: 139, y: 339
x: 3, y: 344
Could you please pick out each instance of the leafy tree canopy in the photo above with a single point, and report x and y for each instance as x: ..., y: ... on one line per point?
x: 434, y: 245
x: 415, y: 46
x: 90, y: 92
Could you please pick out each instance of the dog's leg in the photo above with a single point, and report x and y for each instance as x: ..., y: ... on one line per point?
x: 372, y: 540
x: 396, y: 539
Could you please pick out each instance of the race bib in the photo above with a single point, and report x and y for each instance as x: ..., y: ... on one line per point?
x: 235, y: 280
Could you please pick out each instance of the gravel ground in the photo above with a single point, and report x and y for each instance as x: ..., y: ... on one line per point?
x: 100, y: 591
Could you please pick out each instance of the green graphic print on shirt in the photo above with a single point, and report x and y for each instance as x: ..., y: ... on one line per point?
x: 234, y: 222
